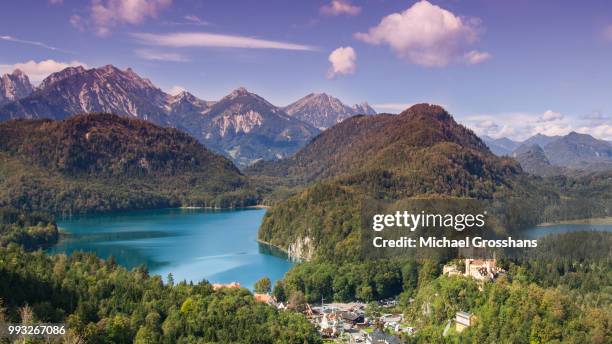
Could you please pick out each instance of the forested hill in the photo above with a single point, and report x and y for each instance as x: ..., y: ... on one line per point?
x: 421, y: 152
x: 99, y: 162
x: 109, y: 145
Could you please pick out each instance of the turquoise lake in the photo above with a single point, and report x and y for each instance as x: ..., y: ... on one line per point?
x: 196, y: 244
x: 192, y: 244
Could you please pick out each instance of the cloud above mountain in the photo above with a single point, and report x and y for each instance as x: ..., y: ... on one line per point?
x: 428, y: 35
x: 106, y: 14
x: 343, y: 61
x: 205, y: 39
x: 37, y: 71
x: 521, y: 125
x: 29, y: 42
x: 340, y: 7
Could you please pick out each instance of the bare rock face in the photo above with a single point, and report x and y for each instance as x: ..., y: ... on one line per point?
x: 248, y: 128
x: 14, y: 86
x: 243, y: 126
x: 106, y: 89
x: 323, y: 111
x: 301, y: 249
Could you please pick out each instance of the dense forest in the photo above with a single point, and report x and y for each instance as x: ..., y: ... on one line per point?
x: 29, y: 230
x: 104, y: 303
x: 103, y: 162
x: 560, y: 292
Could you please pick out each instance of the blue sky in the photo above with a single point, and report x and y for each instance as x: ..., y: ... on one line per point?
x: 504, y: 68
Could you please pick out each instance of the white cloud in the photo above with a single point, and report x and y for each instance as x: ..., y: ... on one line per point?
x: 37, y: 71
x: 203, y: 39
x: 195, y: 20
x: 343, y: 61
x: 56, y: 2
x: 175, y: 90
x: 428, y: 35
x: 602, y: 131
x: 475, y: 57
x: 550, y: 116
x: 154, y: 55
x: 188, y: 20
x: 106, y: 14
x: 522, y: 125
x: 340, y: 7
x: 24, y: 41
x: 77, y: 22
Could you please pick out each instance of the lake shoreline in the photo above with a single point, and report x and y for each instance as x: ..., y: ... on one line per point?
x: 589, y: 221
x: 220, y: 246
x: 257, y: 206
x: 290, y: 258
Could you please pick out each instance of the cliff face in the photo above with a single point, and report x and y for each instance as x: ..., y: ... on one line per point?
x: 301, y: 249
x: 14, y: 86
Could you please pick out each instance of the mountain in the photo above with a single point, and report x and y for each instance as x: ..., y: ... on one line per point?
x: 363, y: 109
x: 540, y: 140
x: 571, y: 154
x: 105, y: 89
x: 14, y: 86
x: 421, y: 152
x: 243, y: 126
x: 579, y: 151
x: 104, y: 162
x: 533, y: 160
x: 383, y: 142
x: 186, y: 112
x: 248, y: 128
x: 501, y: 146
x: 323, y: 111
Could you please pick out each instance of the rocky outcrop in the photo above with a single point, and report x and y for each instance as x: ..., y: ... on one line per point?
x: 14, y: 86
x: 301, y: 249
x: 323, y: 111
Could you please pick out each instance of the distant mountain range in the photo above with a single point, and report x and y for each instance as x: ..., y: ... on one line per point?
x: 554, y: 155
x: 323, y: 111
x: 243, y: 126
x: 501, y: 146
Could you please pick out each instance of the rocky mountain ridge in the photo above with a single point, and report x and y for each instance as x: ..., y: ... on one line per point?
x: 323, y: 111
x: 243, y: 126
x: 14, y: 86
x: 555, y: 155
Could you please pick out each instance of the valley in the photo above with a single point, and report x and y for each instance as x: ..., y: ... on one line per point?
x: 160, y: 195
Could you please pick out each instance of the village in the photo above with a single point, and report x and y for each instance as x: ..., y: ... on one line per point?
x: 354, y: 322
